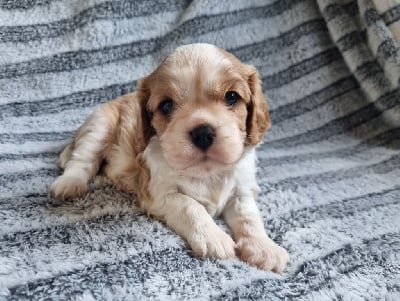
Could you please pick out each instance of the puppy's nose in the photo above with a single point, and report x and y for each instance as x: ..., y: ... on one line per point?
x: 202, y: 136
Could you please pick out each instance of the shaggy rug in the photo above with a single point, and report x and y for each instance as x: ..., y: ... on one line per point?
x: 329, y: 168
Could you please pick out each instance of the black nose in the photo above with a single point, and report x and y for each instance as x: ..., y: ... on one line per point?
x: 202, y: 136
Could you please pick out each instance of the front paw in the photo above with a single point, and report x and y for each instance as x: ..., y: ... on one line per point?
x: 262, y: 252
x: 68, y: 187
x: 212, y: 242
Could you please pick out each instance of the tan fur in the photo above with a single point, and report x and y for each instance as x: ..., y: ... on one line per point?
x: 152, y: 154
x: 258, y: 121
x: 127, y: 135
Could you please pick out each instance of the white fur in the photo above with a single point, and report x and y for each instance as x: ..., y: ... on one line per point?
x: 199, y: 54
x: 187, y: 205
x: 212, y: 191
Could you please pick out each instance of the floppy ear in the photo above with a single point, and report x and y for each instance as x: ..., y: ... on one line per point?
x: 258, y: 121
x: 143, y: 94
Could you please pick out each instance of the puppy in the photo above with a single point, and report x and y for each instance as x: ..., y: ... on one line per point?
x: 184, y: 143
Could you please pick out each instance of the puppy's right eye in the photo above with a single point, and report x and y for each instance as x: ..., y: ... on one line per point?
x: 166, y: 107
x: 231, y: 98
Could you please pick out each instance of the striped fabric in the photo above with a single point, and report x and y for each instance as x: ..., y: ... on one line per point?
x: 329, y: 168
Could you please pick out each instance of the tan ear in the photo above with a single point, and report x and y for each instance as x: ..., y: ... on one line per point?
x: 143, y: 93
x: 258, y: 121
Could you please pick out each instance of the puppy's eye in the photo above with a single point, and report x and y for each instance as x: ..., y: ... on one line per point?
x: 231, y: 98
x: 166, y: 107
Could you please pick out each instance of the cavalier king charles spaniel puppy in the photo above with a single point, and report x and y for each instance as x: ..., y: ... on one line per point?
x: 184, y: 143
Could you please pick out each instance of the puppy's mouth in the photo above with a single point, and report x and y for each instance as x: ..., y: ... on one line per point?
x: 203, y: 166
x: 206, y: 159
x: 203, y: 150
x: 210, y: 160
x: 214, y: 156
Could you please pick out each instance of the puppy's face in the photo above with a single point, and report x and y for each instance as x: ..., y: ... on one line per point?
x: 205, y: 107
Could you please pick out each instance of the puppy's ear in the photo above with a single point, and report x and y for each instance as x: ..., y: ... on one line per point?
x: 143, y: 93
x: 258, y: 121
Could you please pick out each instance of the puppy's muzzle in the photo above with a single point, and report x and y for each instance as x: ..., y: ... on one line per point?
x: 202, y: 136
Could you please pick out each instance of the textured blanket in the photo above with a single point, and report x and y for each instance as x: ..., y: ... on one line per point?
x: 329, y: 168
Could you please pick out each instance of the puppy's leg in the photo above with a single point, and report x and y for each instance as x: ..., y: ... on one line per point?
x: 190, y: 220
x: 124, y: 169
x: 253, y: 244
x: 81, y: 159
x: 65, y: 155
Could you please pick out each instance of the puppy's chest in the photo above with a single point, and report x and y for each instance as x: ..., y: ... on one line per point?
x: 211, y: 193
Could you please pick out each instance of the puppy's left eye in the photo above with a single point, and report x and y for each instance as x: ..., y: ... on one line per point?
x: 231, y: 98
x: 166, y: 107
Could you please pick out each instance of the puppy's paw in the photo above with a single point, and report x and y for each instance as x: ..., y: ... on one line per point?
x: 67, y: 187
x: 262, y: 252
x: 212, y: 242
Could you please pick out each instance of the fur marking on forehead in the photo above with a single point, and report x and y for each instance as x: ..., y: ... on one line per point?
x: 196, y: 66
x: 198, y: 56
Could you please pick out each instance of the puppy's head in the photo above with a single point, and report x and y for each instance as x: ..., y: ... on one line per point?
x: 206, y: 107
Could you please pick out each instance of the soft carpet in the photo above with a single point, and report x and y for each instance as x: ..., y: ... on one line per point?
x: 329, y: 168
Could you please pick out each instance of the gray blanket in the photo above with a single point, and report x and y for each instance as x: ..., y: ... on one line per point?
x: 329, y: 168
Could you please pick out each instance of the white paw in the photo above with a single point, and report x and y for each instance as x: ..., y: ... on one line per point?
x: 212, y: 241
x: 68, y: 187
x: 262, y: 252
